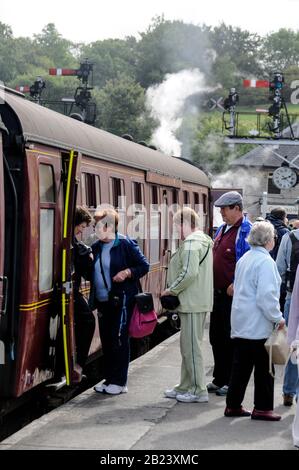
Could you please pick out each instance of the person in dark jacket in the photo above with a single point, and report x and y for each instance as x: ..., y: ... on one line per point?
x: 278, y: 218
x: 118, y: 266
x: 84, y: 318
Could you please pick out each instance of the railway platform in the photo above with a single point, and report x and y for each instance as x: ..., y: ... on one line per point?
x: 143, y: 419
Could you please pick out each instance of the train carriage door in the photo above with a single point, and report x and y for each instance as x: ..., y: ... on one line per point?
x: 71, y: 165
x: 3, y: 279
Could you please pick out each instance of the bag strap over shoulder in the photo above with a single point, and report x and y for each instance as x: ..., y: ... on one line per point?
x: 102, y: 272
x: 204, y: 256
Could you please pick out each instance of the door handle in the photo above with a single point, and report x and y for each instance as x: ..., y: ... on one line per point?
x: 3, y: 309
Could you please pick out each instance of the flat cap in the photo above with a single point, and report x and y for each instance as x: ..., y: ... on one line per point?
x: 228, y: 199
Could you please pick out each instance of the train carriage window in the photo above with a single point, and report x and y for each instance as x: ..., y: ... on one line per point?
x: 46, y: 183
x: 46, y: 241
x: 155, y: 230
x: 138, y: 194
x: 83, y: 190
x: 154, y: 196
x: 117, y: 193
x: 205, y: 204
x: 90, y: 190
x: 138, y: 223
x: 196, y: 201
x: 175, y: 196
x: 186, y: 197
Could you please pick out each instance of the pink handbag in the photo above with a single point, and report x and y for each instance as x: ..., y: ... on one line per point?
x: 142, y: 324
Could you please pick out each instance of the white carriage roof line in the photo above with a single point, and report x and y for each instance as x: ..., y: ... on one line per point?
x: 40, y: 124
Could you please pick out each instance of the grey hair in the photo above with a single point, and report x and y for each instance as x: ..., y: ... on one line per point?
x: 261, y: 233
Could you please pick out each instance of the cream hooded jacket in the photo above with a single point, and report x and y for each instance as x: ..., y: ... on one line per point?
x: 190, y: 278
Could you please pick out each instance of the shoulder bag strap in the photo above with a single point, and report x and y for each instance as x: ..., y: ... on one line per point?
x: 204, y: 256
x: 102, y: 271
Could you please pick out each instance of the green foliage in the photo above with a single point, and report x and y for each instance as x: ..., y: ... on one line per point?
x: 171, y: 46
x: 208, y: 148
x: 241, y: 46
x: 121, y: 109
x: 280, y: 50
x: 112, y: 58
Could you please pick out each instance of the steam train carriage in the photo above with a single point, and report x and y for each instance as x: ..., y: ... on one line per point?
x: 49, y: 163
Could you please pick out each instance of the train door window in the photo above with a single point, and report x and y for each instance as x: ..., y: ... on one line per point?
x: 46, y: 245
x: 46, y: 183
x: 186, y: 198
x: 155, y: 229
x: 46, y: 229
x: 91, y: 190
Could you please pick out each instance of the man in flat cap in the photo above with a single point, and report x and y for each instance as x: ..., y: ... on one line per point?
x: 229, y: 245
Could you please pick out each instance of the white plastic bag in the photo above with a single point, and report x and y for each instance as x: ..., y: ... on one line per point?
x: 277, y: 348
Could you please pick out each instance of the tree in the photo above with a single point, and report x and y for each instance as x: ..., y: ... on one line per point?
x: 112, y: 58
x: 54, y: 47
x: 280, y: 50
x: 171, y: 46
x: 7, y: 53
x: 208, y: 148
x: 121, y: 109
x: 240, y: 46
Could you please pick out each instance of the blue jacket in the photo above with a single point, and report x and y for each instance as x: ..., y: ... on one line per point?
x: 124, y: 254
x: 241, y: 244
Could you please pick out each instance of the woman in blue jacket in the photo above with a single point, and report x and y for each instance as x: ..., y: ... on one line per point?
x: 118, y: 266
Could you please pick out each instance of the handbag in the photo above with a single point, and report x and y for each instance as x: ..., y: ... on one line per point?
x: 277, y: 347
x: 144, y: 318
x: 169, y: 302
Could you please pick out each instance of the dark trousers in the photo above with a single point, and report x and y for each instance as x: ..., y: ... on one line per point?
x: 249, y: 354
x: 84, y: 327
x: 220, y: 339
x: 115, y: 342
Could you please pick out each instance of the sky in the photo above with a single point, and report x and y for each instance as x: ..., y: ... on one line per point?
x: 94, y: 20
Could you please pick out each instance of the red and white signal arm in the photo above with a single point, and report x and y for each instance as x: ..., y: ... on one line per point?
x: 64, y: 72
x: 23, y: 88
x: 255, y: 83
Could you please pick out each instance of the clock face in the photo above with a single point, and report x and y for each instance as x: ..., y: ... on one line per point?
x: 284, y: 177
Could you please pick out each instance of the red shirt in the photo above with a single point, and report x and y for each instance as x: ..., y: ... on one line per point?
x: 224, y: 256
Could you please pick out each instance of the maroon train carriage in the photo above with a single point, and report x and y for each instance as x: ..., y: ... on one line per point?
x: 49, y: 163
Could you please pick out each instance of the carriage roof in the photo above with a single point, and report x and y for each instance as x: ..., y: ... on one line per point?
x: 42, y: 125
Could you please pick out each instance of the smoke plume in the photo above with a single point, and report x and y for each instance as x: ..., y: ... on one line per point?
x: 166, y: 104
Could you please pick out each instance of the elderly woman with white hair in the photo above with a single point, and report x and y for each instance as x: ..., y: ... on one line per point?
x: 255, y: 312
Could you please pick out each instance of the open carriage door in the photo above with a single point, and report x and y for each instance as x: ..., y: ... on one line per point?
x: 3, y: 279
x: 71, y: 164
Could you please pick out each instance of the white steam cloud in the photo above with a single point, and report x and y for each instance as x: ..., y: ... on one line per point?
x: 166, y: 104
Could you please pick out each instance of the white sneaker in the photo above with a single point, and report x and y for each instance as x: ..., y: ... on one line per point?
x: 100, y: 387
x: 113, y: 389
x: 171, y: 393
x: 188, y: 397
